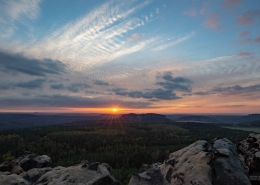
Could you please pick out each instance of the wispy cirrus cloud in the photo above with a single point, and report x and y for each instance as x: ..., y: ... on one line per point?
x: 231, y: 90
x: 13, y: 11
x: 17, y: 10
x: 96, y: 38
x: 192, y: 12
x: 243, y: 33
x: 173, y: 43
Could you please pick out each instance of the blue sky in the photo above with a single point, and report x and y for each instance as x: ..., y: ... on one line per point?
x: 190, y: 56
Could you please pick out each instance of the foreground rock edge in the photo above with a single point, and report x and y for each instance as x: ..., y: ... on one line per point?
x: 201, y: 163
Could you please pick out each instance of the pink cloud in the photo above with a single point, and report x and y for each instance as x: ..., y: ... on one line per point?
x: 245, y: 54
x: 204, y: 8
x: 135, y: 36
x: 244, y: 20
x: 246, y: 41
x: 249, y: 40
x: 257, y: 39
x: 248, y: 17
x: 212, y: 21
x: 192, y: 12
x: 231, y: 3
x: 243, y: 33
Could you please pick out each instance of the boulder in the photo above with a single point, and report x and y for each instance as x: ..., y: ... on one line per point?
x: 25, y: 163
x: 12, y: 179
x: 73, y: 175
x: 34, y: 174
x: 11, y: 167
x: 148, y: 174
x: 30, y: 161
x: 249, y: 153
x: 200, y: 163
x: 78, y: 175
x: 6, y: 167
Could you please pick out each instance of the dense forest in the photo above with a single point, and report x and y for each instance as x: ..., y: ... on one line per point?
x: 124, y: 146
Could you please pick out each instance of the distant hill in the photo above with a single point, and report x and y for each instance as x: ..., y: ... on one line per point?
x: 15, y: 121
x: 249, y: 118
x: 195, y: 118
x: 250, y: 124
x: 144, y: 118
x: 223, y: 119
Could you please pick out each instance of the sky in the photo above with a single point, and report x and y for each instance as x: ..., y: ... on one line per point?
x: 160, y: 56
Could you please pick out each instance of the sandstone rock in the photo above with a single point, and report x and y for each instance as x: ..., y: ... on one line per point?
x: 5, y: 173
x: 249, y: 153
x: 197, y: 164
x: 25, y: 163
x: 74, y: 175
x: 228, y: 168
x: 6, y: 167
x: 12, y: 179
x: 16, y: 169
x: 11, y: 167
x: 77, y: 175
x: 34, y: 174
x: 148, y: 174
x: 191, y: 165
x: 30, y: 161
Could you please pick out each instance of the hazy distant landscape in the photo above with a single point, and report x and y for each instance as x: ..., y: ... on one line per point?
x: 24, y: 120
x: 124, y: 141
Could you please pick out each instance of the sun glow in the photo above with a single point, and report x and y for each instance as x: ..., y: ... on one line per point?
x: 114, y: 110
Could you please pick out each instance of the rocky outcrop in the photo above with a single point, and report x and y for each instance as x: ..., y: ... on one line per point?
x: 78, y: 175
x: 249, y: 154
x: 31, y: 169
x: 200, y: 163
x: 31, y: 160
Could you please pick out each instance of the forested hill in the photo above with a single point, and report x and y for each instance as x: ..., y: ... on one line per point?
x: 20, y: 120
x: 150, y: 117
x: 15, y: 121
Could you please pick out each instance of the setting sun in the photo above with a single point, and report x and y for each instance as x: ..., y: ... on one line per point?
x: 114, y: 109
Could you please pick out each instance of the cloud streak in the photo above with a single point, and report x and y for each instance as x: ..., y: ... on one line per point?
x: 250, y: 40
x: 18, y: 63
x: 165, y: 92
x: 232, y: 3
x: 63, y: 101
x: 173, y: 43
x: 231, y: 90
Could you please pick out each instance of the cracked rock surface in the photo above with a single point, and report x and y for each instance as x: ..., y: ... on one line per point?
x: 31, y: 169
x: 200, y: 163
